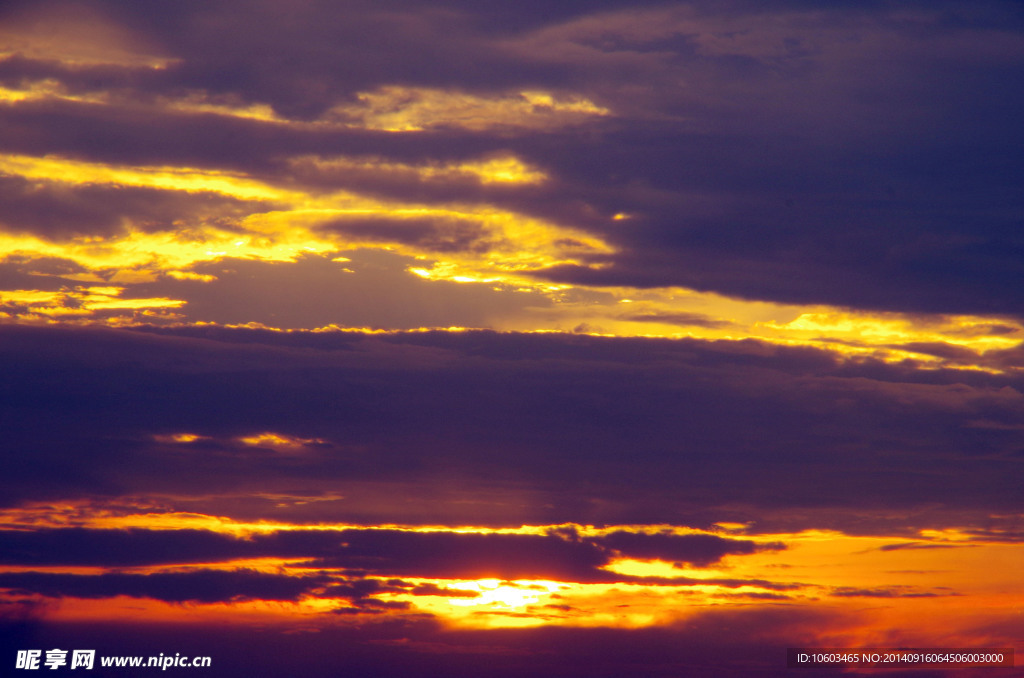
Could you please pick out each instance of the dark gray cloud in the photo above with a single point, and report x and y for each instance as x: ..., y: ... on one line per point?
x: 467, y: 556
x: 921, y: 545
x: 117, y: 548
x: 435, y: 590
x: 898, y: 592
x: 60, y: 212
x: 696, y: 549
x: 201, y: 586
x: 525, y: 428
x: 391, y: 553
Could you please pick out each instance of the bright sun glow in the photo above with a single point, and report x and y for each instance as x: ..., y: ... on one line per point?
x: 517, y: 594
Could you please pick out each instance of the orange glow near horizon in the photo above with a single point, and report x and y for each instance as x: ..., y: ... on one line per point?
x: 935, y: 576
x: 880, y: 621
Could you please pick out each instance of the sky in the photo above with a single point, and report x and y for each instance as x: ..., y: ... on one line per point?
x: 466, y: 337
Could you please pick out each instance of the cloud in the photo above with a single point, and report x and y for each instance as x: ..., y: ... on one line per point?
x: 758, y: 595
x: 435, y: 590
x: 697, y: 549
x: 846, y: 184
x: 919, y: 545
x: 469, y: 556
x: 540, y: 429
x: 851, y: 592
x: 117, y: 548
x: 380, y: 552
x: 201, y: 586
x: 56, y: 211
x: 808, y: 212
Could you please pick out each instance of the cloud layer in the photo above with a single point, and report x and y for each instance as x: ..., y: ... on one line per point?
x: 854, y: 157
x: 560, y: 428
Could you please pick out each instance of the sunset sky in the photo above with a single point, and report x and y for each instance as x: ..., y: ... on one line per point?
x: 480, y: 338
